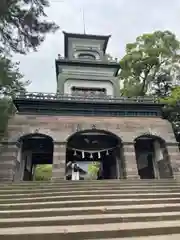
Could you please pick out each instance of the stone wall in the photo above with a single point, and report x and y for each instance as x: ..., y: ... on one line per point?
x: 59, y: 161
x: 8, y: 161
x: 174, y: 156
x: 61, y: 128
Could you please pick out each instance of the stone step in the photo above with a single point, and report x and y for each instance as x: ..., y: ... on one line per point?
x: 87, y: 197
x: 59, y: 182
x: 88, y: 188
x: 160, y: 237
x: 102, y: 218
x: 89, y: 210
x: 91, y: 231
x: 91, y: 192
x: 43, y: 211
x: 84, y: 203
x: 62, y: 181
x: 91, y: 180
x: 86, y: 184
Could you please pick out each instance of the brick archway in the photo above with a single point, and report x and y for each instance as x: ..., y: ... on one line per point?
x: 35, y: 149
x: 152, y: 157
x: 95, y: 145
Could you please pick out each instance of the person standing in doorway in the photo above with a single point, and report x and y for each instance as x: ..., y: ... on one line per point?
x: 75, y: 172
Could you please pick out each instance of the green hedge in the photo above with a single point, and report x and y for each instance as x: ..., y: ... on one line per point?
x: 43, y: 173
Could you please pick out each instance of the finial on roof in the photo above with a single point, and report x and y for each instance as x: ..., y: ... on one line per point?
x: 84, y: 25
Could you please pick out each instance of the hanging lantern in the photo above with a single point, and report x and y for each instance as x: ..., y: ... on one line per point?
x: 99, y: 155
x: 75, y: 153
x: 91, y: 156
x: 83, y: 154
x: 107, y: 153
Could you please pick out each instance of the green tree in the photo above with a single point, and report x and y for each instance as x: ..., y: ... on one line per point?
x: 43, y: 173
x: 23, y: 24
x: 93, y: 169
x: 150, y: 67
x: 163, y: 84
x: 174, y: 97
x: 6, y: 110
x: 10, y: 77
x: 172, y: 110
x: 10, y: 84
x: 23, y: 27
x: 151, y: 61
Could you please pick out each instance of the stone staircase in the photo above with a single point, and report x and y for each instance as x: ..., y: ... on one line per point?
x: 118, y: 209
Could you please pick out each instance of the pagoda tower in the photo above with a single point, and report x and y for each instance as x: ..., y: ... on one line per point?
x: 87, y: 121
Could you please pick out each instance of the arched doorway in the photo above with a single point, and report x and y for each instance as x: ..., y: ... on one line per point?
x: 152, y: 157
x: 89, y: 146
x: 36, y: 150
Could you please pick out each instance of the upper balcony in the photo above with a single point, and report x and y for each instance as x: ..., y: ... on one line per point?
x: 106, y: 59
x: 104, y: 64
x: 68, y: 105
x: 84, y: 98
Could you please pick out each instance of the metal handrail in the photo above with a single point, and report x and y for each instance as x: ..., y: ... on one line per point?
x: 67, y: 97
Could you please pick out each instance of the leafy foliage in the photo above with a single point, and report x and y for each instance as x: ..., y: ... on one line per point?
x: 23, y: 25
x: 148, y: 62
x: 172, y: 110
x: 10, y: 78
x: 43, y: 172
x: 174, y: 97
x: 151, y: 66
x: 10, y: 84
x: 162, y: 84
x: 93, y: 169
x: 6, y: 110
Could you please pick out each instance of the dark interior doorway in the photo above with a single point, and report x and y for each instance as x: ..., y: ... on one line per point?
x: 37, y: 152
x: 144, y: 156
x: 90, y: 146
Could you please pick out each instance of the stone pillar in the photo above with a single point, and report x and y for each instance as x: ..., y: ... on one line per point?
x: 117, y: 153
x: 28, y: 166
x: 174, y: 158
x: 17, y: 170
x: 130, y: 162
x: 8, y: 155
x: 59, y: 161
x: 117, y: 168
x: 158, y: 156
x: 22, y: 166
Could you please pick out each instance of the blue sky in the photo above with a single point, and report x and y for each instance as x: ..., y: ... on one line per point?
x: 123, y: 19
